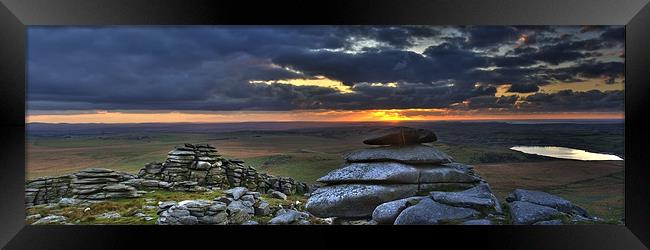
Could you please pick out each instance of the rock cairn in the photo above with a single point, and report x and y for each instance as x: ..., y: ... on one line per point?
x: 191, y: 162
x: 202, y: 164
x: 237, y: 207
x: 400, y: 167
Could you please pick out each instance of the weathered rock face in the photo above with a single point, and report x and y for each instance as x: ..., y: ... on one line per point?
x: 354, y: 200
x: 540, y: 208
x: 87, y: 184
x: 378, y: 175
x: 101, y: 183
x: 47, y: 190
x: 400, y: 136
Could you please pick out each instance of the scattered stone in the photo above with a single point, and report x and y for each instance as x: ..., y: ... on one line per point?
x: 50, y: 219
x: 109, y: 215
x: 68, y: 202
x: 250, y: 222
x: 288, y: 216
x: 278, y: 195
x: 33, y: 217
x: 354, y: 222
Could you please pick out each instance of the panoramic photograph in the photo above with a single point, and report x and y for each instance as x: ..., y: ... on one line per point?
x: 325, y: 125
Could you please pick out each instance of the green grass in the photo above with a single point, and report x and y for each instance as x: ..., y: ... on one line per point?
x: 128, y: 207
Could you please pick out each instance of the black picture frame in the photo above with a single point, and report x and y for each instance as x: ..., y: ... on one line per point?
x: 15, y: 15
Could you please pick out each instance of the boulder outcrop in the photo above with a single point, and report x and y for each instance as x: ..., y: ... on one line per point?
x: 402, y: 169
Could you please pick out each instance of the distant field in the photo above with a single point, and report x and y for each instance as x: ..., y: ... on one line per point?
x: 309, y: 153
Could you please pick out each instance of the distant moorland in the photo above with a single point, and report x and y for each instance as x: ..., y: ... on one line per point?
x: 307, y: 151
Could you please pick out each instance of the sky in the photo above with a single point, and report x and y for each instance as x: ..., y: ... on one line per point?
x: 131, y: 74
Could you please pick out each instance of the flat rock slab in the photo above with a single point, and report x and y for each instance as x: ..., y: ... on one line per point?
x: 354, y: 200
x: 412, y: 154
x: 397, y: 173
x: 378, y: 172
x: 429, y: 212
x: 400, y: 136
x: 526, y: 213
x: 542, y: 198
x: 479, y: 198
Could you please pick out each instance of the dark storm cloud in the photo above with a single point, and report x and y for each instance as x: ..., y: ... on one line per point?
x: 211, y: 68
x: 484, y: 102
x: 568, y: 100
x: 489, y: 36
x: 523, y: 88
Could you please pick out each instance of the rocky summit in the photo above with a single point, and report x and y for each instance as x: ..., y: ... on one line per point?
x: 200, y: 163
x: 402, y: 169
x: 187, y: 168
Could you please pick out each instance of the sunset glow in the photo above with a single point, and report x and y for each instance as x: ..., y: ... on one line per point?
x: 307, y: 115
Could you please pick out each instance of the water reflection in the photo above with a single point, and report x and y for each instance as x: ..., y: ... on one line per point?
x: 566, y: 153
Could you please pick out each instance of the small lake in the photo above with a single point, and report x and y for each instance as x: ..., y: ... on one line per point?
x: 566, y: 153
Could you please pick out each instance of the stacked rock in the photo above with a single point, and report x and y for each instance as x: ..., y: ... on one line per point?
x: 47, y: 190
x: 400, y: 167
x: 200, y: 164
x: 101, y: 183
x: 237, y: 207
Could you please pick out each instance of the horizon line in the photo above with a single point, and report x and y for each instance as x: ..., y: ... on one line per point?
x: 378, y: 121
